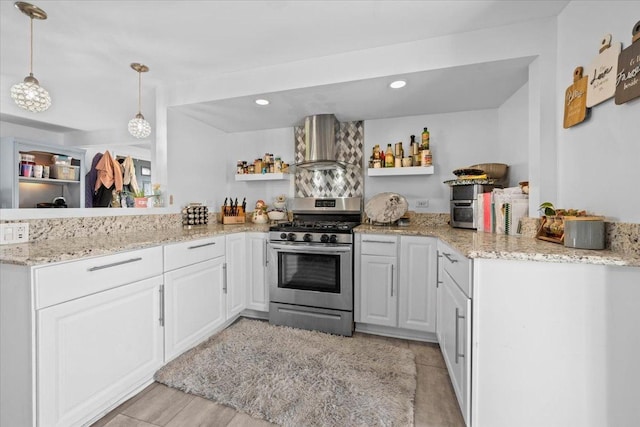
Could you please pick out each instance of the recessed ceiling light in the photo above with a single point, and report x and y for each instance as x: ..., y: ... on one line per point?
x: 398, y: 84
x: 262, y: 102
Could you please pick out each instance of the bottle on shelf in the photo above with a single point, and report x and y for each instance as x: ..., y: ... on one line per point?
x: 389, y: 159
x: 425, y: 139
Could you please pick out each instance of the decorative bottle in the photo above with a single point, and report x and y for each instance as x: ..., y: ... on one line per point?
x: 389, y: 159
x: 425, y: 139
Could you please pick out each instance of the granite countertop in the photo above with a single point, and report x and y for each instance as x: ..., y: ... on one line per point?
x: 55, y: 250
x: 469, y: 242
x: 475, y: 244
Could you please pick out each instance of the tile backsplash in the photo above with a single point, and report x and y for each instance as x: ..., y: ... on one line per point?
x: 335, y: 182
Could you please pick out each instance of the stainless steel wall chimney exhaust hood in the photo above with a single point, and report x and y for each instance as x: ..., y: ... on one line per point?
x: 320, y: 143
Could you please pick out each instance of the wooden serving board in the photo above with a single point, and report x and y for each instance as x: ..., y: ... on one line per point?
x: 575, y: 100
x: 628, y: 78
x: 602, y: 72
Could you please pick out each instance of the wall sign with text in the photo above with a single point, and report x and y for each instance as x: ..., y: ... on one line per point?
x: 628, y: 75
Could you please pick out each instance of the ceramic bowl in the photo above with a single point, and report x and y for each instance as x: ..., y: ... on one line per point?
x: 277, y: 215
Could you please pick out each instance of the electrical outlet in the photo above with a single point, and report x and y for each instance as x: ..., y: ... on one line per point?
x: 14, y: 232
x: 422, y: 203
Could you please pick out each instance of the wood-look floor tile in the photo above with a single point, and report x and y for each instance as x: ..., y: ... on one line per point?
x: 427, y: 354
x: 435, y: 403
x: 203, y: 413
x: 388, y: 340
x: 123, y: 421
x: 159, y: 405
x: 244, y: 420
x: 112, y: 414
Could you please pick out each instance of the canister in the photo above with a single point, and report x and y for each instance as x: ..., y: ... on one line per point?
x: 584, y: 232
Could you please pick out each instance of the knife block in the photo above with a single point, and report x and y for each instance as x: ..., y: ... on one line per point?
x: 227, y: 218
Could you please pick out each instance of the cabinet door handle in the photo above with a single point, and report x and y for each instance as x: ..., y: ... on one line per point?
x: 379, y: 241
x: 457, y: 349
x: 224, y: 277
x: 448, y: 256
x: 202, y: 245
x: 266, y: 250
x: 392, y: 280
x: 115, y: 264
x: 438, y: 283
x: 161, y: 318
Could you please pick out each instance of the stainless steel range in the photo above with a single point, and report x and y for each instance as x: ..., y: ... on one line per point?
x: 310, y: 269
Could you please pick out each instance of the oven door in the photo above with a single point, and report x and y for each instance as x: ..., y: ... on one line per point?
x: 311, y: 275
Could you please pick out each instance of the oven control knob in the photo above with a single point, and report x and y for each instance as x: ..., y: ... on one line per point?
x: 283, y: 236
x: 324, y: 238
x: 291, y: 237
x: 333, y: 238
x: 306, y: 237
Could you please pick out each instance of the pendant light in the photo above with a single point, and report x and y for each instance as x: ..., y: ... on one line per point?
x: 29, y: 94
x: 138, y: 126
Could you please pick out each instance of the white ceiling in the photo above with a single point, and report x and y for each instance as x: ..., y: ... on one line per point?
x: 83, y: 51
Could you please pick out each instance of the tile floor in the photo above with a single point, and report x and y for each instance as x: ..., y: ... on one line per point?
x: 160, y: 406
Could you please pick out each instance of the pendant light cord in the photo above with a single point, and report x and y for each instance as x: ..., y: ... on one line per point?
x: 139, y: 92
x: 31, y: 49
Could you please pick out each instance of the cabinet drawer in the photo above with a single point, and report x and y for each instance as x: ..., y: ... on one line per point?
x: 457, y: 265
x: 64, y: 282
x: 378, y: 244
x: 186, y: 253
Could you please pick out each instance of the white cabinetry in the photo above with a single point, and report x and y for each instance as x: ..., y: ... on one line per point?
x: 376, y: 279
x: 78, y: 336
x: 236, y: 269
x: 94, y: 349
x: 194, y: 303
x: 392, y: 293
x: 454, y: 322
x: 256, y: 267
x: 417, y: 290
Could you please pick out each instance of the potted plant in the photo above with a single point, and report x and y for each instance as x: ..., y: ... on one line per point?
x: 140, y: 199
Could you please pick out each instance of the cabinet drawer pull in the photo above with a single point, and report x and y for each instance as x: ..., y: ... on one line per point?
x: 224, y: 278
x: 448, y: 256
x: 266, y: 252
x: 392, y: 280
x: 161, y: 318
x: 457, y: 352
x: 202, y: 245
x: 114, y: 264
x: 378, y: 241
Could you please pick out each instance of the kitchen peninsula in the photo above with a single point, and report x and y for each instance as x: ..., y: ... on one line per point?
x: 513, y: 281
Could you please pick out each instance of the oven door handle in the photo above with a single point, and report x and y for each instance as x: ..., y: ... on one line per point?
x: 306, y: 249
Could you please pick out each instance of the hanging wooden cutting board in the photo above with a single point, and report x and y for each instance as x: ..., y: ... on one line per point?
x: 575, y: 100
x: 602, y: 72
x: 628, y: 78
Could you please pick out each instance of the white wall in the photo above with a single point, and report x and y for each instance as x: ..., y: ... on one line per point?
x: 513, y: 135
x: 30, y: 133
x: 598, y: 160
x: 197, y: 161
x: 456, y: 140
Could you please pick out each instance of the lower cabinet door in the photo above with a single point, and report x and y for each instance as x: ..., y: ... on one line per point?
x: 95, y: 349
x: 455, y: 340
x: 378, y: 290
x: 417, y: 290
x: 194, y: 305
x: 257, y: 289
x: 236, y: 274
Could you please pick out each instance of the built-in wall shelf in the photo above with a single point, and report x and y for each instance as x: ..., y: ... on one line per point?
x: 262, y: 176
x: 413, y: 170
x: 47, y: 180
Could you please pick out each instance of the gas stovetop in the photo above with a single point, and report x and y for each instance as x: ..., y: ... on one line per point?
x: 319, y: 220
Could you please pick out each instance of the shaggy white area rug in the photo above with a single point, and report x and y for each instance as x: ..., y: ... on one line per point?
x: 295, y: 377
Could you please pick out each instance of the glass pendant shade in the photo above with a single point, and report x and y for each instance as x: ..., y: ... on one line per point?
x: 30, y: 95
x: 139, y: 127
